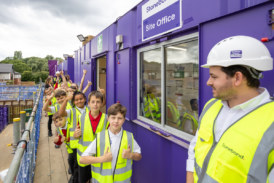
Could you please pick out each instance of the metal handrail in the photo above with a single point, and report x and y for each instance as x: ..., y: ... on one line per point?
x: 15, y: 164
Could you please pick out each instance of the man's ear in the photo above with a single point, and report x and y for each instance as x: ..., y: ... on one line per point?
x: 238, y: 78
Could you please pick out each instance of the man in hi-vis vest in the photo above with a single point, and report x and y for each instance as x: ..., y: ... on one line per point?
x: 235, y: 137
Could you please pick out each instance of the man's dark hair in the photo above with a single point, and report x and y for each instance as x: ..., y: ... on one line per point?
x: 231, y: 70
x: 97, y: 94
x: 115, y: 108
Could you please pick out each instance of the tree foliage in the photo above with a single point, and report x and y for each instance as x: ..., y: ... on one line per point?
x: 31, y: 68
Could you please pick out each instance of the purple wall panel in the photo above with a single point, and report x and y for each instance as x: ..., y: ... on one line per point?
x: 164, y: 163
x: 255, y: 25
x: 127, y: 21
x: 110, y: 65
x: 71, y: 68
x: 122, y: 87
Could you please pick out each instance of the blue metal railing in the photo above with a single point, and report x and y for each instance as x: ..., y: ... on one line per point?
x: 23, y: 164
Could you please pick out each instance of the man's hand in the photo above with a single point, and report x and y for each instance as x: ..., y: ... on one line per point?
x: 77, y: 132
x: 127, y: 153
x: 107, y: 157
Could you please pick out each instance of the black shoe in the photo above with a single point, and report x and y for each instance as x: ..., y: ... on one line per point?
x: 71, y: 179
x: 50, y: 133
x: 57, y: 146
x: 69, y: 171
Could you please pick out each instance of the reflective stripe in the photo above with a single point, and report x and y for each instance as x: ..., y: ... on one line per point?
x: 125, y: 181
x: 205, y: 110
x: 197, y: 168
x: 94, y: 180
x: 104, y: 172
x: 102, y: 143
x: 74, y: 120
x: 79, y: 152
x: 86, y: 143
x: 58, y: 131
x: 259, y: 163
x: 72, y: 138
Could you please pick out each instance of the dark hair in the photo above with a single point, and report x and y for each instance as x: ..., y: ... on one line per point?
x: 97, y: 94
x: 47, y: 86
x: 115, y: 108
x: 231, y: 70
x: 60, y: 93
x: 67, y: 77
x: 56, y: 116
x: 78, y: 93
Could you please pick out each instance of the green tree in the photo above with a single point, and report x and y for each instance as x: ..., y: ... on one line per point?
x: 27, y: 76
x: 17, y: 55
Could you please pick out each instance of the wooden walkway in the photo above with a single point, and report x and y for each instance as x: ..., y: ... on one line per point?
x: 51, y: 163
x: 6, y: 151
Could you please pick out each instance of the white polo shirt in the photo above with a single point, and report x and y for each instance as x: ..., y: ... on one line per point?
x: 114, y: 147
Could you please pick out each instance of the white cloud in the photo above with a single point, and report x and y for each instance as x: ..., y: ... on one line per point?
x: 40, y: 28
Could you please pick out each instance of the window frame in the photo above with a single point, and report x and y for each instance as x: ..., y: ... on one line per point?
x: 162, y: 46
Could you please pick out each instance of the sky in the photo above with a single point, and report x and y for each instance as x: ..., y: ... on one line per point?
x: 49, y: 27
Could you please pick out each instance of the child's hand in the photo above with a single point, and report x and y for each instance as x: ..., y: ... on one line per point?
x: 107, y: 155
x: 127, y: 153
x: 101, y: 90
x: 56, y: 139
x: 63, y: 138
x: 89, y: 83
x: 77, y: 132
x: 84, y: 71
x: 70, y: 95
x: 49, y: 97
x: 62, y: 72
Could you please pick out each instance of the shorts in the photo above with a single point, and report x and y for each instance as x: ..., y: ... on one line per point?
x: 84, y: 173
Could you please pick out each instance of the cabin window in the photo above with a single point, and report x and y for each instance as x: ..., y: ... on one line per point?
x: 168, y: 85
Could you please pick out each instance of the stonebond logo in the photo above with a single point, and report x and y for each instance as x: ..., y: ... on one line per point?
x: 233, y: 151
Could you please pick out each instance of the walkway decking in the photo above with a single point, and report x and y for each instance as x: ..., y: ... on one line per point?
x: 51, y: 163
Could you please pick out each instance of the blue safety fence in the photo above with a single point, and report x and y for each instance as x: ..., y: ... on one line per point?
x: 4, y: 116
x: 28, y: 162
x: 17, y: 92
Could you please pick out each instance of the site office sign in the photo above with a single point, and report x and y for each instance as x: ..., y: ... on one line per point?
x: 160, y: 17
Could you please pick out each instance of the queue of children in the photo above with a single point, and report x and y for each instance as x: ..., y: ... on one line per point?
x: 99, y: 150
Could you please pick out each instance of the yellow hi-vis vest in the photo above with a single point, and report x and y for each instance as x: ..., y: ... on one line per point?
x: 102, y: 172
x: 74, y: 116
x: 60, y: 132
x: 53, y: 102
x: 245, y: 151
x: 87, y: 133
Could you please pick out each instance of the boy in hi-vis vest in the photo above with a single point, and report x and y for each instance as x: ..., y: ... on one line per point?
x: 113, y: 150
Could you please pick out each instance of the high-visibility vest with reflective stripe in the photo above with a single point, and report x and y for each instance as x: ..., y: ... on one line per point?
x: 102, y: 172
x: 69, y: 105
x: 152, y: 108
x: 53, y: 102
x: 87, y: 132
x: 174, y: 112
x: 74, y: 115
x: 245, y: 151
x: 60, y: 132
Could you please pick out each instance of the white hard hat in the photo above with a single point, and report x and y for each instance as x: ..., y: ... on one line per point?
x: 240, y: 50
